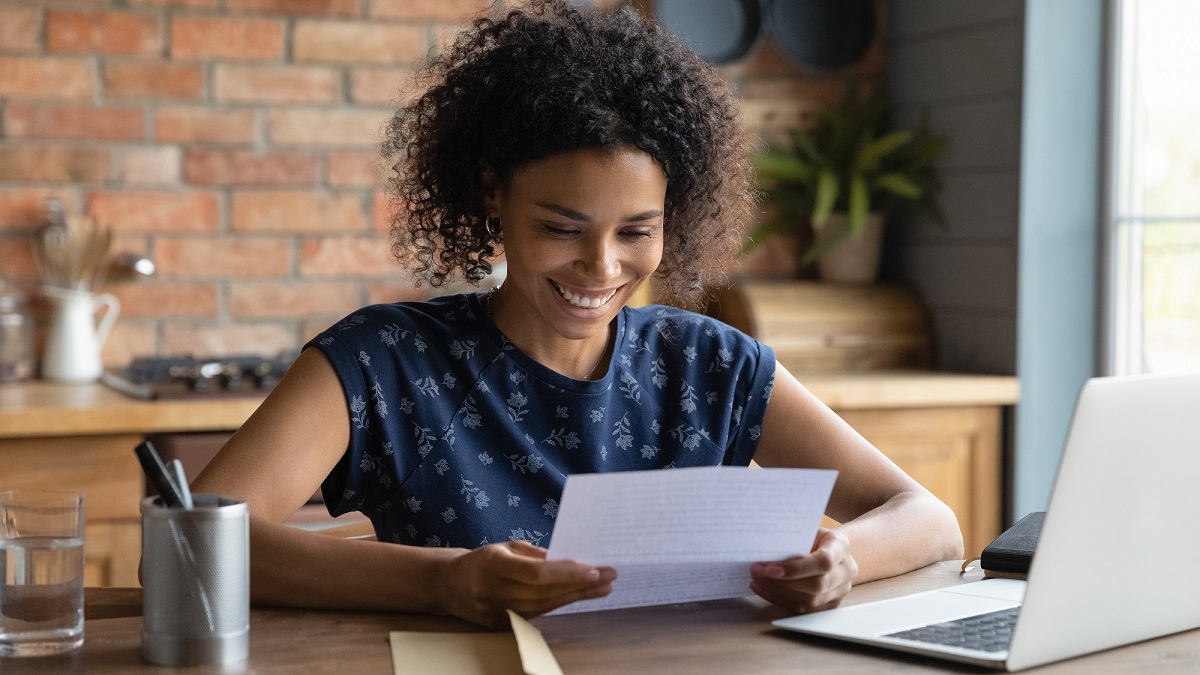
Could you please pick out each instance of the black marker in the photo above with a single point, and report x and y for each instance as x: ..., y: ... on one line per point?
x: 156, y: 471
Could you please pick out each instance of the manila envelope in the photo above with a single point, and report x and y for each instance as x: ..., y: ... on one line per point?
x: 524, y: 650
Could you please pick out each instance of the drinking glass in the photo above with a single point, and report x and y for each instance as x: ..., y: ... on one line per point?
x: 41, y: 572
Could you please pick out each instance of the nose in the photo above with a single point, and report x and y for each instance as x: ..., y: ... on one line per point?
x: 598, y: 260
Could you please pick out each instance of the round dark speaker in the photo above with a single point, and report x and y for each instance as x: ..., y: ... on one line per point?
x: 721, y: 31
x: 824, y: 34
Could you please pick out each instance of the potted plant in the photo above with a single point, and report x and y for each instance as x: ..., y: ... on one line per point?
x: 839, y: 181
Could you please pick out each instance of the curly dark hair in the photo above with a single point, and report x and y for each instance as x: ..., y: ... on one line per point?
x: 552, y: 79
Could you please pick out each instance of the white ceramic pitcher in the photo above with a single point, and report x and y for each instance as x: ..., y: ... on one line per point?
x: 74, y: 338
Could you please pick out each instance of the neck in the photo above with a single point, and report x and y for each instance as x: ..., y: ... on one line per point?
x: 583, y: 359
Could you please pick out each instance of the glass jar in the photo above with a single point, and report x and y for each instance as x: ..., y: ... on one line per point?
x: 16, y: 337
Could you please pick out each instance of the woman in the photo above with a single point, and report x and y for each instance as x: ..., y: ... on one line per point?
x: 595, y: 152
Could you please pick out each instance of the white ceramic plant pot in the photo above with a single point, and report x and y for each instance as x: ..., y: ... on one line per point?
x: 855, y: 260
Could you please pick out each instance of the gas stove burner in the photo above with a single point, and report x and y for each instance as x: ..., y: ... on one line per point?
x: 163, y: 377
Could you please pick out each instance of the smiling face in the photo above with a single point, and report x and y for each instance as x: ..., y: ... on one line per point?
x: 582, y: 231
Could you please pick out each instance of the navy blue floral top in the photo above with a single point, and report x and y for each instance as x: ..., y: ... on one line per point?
x: 460, y: 439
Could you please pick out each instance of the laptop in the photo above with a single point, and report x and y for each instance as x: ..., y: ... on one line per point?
x: 1106, y: 571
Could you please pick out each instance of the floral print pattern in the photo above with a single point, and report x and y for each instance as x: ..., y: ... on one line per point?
x: 446, y: 413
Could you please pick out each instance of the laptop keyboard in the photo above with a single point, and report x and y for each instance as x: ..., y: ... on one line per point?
x: 989, y: 632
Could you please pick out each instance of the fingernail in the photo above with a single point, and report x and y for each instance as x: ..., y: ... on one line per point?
x: 593, y: 574
x: 775, y: 571
x: 758, y: 568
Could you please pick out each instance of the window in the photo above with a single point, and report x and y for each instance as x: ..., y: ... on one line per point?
x: 1154, y: 209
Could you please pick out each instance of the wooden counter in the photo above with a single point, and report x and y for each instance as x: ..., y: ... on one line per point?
x: 38, y: 409
x: 944, y: 429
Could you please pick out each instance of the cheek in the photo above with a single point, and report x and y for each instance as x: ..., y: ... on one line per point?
x: 648, y: 259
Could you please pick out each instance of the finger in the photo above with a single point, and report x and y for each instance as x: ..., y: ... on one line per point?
x: 776, y: 596
x: 793, y: 569
x: 525, y: 590
x: 799, y: 601
x: 537, y: 606
x: 535, y: 572
x: 829, y: 550
x: 525, y: 548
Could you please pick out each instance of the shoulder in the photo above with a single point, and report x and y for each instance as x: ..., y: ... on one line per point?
x: 663, y: 325
x: 439, y: 315
x: 673, y: 338
x: 422, y: 328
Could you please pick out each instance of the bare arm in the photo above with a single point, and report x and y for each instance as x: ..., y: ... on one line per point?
x: 890, y: 523
x: 279, y: 457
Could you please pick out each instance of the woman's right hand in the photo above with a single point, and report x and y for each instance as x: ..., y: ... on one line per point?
x: 479, y: 585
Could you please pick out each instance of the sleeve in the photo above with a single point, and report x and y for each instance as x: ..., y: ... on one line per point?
x: 752, y: 392
x: 366, y: 368
x: 343, y: 490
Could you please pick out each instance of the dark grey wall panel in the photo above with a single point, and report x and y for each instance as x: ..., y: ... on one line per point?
x: 918, y: 18
x: 963, y: 276
x: 960, y: 64
x: 982, y: 134
x: 979, y: 206
x: 977, y: 62
x: 975, y: 342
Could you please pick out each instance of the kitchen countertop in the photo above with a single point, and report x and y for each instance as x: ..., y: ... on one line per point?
x: 43, y: 409
x: 40, y: 408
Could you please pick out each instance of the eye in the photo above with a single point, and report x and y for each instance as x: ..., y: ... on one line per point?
x: 558, y: 230
x: 638, y: 233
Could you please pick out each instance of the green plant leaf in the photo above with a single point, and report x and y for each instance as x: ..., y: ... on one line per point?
x: 827, y: 194
x: 932, y: 211
x: 765, y: 229
x: 898, y: 184
x: 792, y: 203
x: 859, y: 205
x: 806, y: 146
x: 776, y: 165
x: 925, y: 150
x: 828, y: 239
x: 852, y: 162
x: 874, y: 150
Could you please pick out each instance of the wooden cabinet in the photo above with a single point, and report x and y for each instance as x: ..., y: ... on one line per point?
x: 106, y: 471
x: 112, y: 550
x: 81, y: 437
x: 953, y: 452
x: 943, y: 429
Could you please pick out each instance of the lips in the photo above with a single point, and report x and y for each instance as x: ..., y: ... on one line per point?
x: 582, y: 299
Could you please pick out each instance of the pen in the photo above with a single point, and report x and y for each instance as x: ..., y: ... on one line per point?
x: 156, y: 471
x: 185, y: 493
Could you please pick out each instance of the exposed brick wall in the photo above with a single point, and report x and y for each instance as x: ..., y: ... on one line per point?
x: 234, y: 142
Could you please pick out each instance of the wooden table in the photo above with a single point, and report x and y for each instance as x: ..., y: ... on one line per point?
x: 724, y: 636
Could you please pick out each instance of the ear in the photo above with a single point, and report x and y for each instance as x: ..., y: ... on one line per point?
x: 491, y: 191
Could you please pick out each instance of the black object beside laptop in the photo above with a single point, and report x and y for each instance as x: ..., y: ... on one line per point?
x: 1120, y: 516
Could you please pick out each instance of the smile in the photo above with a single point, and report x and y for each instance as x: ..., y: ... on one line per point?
x: 581, y: 300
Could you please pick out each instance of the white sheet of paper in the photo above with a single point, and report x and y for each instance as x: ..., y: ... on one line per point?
x: 682, y: 535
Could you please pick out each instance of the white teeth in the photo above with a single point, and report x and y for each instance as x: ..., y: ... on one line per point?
x: 582, y: 301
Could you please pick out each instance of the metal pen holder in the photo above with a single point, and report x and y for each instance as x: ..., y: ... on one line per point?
x: 195, y: 582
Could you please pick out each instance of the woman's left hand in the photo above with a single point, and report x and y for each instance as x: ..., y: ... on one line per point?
x: 808, y: 583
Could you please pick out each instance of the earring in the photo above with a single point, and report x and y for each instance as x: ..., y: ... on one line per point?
x: 491, y: 224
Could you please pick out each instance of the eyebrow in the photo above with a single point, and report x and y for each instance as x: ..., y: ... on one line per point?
x: 583, y: 218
